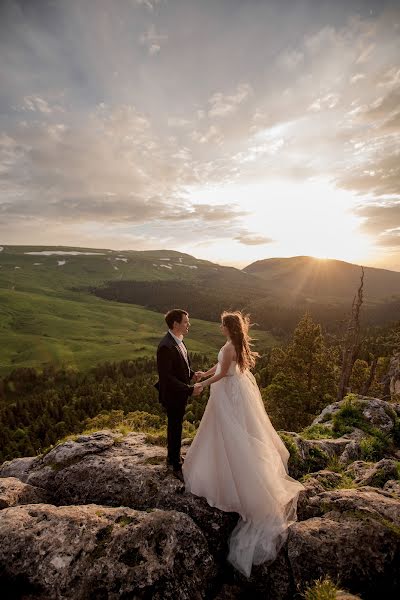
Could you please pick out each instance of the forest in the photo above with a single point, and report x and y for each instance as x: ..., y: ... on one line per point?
x: 208, y: 298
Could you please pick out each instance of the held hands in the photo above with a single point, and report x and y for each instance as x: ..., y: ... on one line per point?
x: 198, y: 376
x: 197, y: 389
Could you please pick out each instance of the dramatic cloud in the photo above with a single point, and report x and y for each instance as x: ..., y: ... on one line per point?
x: 253, y: 240
x: 127, y: 123
x: 380, y: 218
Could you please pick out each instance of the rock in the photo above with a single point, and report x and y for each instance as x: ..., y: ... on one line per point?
x: 357, y: 469
x: 13, y: 492
x: 376, y: 474
x: 363, y: 499
x: 81, y: 552
x: 73, y: 451
x: 379, y: 413
x: 392, y: 486
x: 314, y: 484
x: 351, y: 452
x: 311, y: 455
x: 18, y: 467
x: 104, y: 468
x: 114, y: 500
x: 271, y: 581
x: 354, y: 537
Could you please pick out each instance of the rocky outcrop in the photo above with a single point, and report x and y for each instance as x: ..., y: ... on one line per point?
x: 375, y: 474
x: 98, y: 552
x: 378, y: 413
x: 13, y: 492
x: 103, y: 468
x: 101, y: 517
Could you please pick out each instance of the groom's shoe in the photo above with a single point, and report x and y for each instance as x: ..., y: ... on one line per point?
x: 177, y: 472
x: 180, y: 462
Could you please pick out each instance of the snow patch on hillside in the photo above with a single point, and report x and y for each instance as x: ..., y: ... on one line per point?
x: 166, y: 266
x: 188, y: 266
x: 64, y: 252
x: 61, y: 262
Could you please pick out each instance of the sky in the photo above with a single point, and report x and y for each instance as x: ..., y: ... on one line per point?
x: 233, y: 130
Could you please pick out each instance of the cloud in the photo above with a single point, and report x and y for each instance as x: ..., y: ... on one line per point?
x: 380, y: 217
x: 177, y: 122
x: 153, y: 40
x: 217, y: 212
x: 102, y: 128
x: 376, y: 176
x: 381, y: 221
x: 390, y: 239
x: 223, y: 105
x: 37, y: 104
x: 149, y: 4
x: 211, y: 134
x: 253, y: 240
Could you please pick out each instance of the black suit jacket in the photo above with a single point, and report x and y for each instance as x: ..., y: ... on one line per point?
x: 174, y: 376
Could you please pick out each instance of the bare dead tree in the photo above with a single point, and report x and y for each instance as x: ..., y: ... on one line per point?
x: 351, y: 343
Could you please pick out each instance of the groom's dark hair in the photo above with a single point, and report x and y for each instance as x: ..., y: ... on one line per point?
x: 173, y: 315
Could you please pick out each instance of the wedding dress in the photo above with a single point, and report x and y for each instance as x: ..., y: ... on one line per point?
x: 238, y: 462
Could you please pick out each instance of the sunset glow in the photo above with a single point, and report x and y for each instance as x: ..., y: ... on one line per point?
x: 233, y: 135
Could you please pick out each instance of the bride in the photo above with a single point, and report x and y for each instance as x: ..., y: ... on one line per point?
x: 237, y: 461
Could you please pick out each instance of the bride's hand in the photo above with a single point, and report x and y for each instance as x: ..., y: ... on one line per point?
x: 198, y: 376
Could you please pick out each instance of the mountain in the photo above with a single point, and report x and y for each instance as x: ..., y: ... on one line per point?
x: 304, y: 278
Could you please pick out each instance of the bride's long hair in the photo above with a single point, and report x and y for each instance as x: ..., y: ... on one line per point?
x: 238, y: 326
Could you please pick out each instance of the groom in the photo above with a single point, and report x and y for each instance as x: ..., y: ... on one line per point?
x: 174, y: 386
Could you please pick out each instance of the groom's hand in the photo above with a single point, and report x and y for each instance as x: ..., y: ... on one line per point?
x: 197, y: 389
x: 198, y: 376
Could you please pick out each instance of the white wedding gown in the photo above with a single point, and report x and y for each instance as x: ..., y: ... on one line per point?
x: 238, y: 462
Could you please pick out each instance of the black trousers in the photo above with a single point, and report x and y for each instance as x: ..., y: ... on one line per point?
x: 175, y: 419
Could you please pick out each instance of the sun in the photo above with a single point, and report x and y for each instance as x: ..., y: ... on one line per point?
x: 312, y: 218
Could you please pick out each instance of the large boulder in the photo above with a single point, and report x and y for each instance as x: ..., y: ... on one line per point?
x: 375, y: 474
x: 81, y: 552
x: 13, y: 492
x: 354, y: 537
x: 379, y: 413
x: 104, y: 468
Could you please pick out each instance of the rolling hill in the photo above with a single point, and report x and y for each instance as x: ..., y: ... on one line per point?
x: 49, y: 315
x: 80, y: 306
x: 314, y: 280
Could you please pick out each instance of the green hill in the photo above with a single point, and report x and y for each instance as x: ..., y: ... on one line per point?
x: 48, y: 315
x: 306, y: 278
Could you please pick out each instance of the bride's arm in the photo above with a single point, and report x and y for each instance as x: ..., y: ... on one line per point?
x: 227, y: 358
x: 201, y: 374
x: 211, y: 371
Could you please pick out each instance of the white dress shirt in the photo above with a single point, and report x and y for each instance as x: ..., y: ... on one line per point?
x: 181, y: 347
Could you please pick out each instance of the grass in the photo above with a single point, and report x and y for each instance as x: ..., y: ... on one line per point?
x: 318, y: 432
x: 321, y: 589
x: 47, y: 317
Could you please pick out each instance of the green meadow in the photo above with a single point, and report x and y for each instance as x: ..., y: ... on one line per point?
x: 47, y: 315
